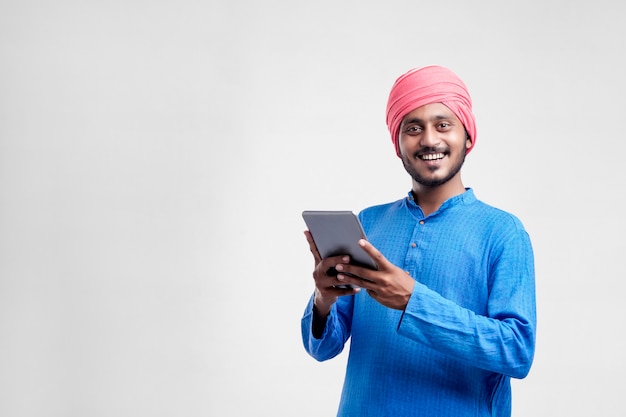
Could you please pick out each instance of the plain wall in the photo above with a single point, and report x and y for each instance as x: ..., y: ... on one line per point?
x: 155, y: 158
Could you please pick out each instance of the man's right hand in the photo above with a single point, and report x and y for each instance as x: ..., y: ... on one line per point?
x: 325, y: 277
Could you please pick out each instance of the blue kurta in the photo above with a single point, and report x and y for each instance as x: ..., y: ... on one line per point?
x: 469, y: 325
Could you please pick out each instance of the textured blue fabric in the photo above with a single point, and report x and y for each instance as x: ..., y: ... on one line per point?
x: 469, y: 325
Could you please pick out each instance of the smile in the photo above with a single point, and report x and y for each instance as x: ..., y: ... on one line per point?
x: 431, y: 156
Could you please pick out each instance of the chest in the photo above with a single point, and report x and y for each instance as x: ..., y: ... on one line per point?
x: 448, y: 258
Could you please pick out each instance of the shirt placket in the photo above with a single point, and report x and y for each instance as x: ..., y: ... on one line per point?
x: 415, y: 248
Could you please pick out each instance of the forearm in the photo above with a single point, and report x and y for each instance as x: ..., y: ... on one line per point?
x: 318, y: 322
x: 324, y: 337
x: 503, y: 344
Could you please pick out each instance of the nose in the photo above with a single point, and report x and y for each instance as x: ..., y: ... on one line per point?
x: 429, y: 137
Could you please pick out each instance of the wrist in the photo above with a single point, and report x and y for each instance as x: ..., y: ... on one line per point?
x: 321, y: 306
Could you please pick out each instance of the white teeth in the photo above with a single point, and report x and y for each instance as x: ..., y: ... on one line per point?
x: 432, y: 156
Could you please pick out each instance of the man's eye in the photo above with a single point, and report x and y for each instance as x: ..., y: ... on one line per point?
x: 413, y: 129
x: 444, y: 125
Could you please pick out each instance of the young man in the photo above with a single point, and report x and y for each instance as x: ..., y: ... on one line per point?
x: 449, y: 316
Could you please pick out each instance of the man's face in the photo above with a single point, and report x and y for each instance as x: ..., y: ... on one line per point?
x: 433, y: 144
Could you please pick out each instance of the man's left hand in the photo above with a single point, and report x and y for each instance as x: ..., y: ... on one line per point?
x: 389, y: 285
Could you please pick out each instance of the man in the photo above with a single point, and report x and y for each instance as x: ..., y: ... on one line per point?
x: 449, y: 316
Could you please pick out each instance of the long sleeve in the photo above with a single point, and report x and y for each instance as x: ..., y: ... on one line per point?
x: 336, y: 331
x: 503, y: 339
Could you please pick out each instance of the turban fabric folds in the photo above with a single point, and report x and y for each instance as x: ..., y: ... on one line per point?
x: 427, y: 85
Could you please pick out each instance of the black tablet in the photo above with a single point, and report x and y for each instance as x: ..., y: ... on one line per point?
x: 338, y: 233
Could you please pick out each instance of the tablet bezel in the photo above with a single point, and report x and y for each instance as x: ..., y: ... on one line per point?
x: 337, y: 232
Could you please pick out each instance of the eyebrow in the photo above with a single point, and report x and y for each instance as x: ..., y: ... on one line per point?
x: 417, y: 120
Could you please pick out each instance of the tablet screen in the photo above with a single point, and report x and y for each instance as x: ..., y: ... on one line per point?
x: 338, y: 233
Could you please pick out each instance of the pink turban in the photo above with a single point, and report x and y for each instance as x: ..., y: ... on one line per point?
x: 427, y: 85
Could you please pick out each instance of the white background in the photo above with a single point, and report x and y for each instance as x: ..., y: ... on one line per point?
x: 155, y: 158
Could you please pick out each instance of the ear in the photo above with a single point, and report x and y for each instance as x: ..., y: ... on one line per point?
x: 468, y: 141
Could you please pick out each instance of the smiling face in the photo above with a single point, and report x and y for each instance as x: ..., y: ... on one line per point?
x: 433, y: 143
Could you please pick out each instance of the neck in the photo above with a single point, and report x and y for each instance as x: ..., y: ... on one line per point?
x: 431, y: 198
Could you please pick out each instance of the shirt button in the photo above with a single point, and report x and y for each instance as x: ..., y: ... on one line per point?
x: 421, y: 221
x: 413, y: 245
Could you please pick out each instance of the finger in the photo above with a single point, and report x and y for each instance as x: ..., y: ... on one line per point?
x: 350, y: 278
x: 325, y: 273
x: 355, y: 274
x: 341, y: 291
x: 312, y: 246
x: 334, y: 264
x: 358, y: 282
x: 336, y: 286
x: 375, y: 254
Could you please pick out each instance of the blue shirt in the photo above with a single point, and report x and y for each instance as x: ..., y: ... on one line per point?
x: 468, y: 327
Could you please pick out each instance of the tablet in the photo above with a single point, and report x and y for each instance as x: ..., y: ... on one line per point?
x: 338, y: 233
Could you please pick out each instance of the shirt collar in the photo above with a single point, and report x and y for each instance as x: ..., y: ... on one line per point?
x: 465, y: 198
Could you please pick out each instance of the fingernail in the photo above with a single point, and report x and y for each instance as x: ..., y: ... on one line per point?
x: 339, y: 267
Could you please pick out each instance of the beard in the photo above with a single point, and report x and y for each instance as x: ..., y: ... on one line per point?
x: 434, y: 181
